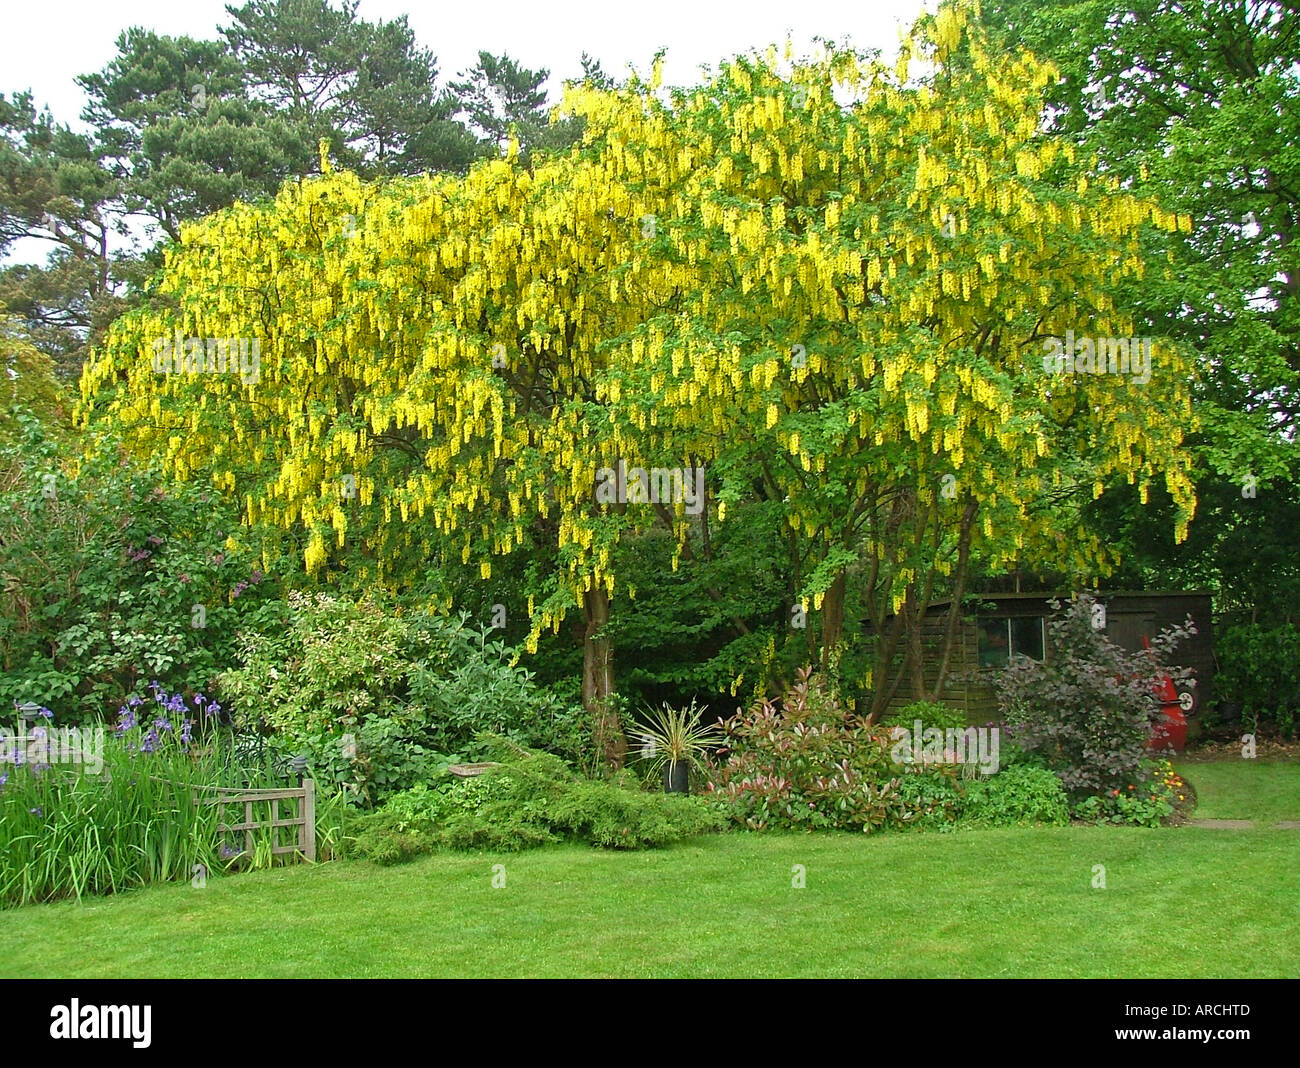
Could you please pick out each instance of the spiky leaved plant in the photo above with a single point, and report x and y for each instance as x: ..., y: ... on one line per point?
x: 674, y: 736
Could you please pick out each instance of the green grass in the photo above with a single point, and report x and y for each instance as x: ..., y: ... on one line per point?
x: 1013, y: 902
x: 1265, y: 791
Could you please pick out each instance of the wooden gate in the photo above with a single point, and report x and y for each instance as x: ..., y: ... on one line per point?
x: 268, y: 802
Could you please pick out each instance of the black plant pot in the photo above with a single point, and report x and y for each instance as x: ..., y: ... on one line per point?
x: 677, y: 777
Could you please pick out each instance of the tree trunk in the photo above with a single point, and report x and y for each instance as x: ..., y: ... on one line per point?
x: 951, y: 630
x: 598, y: 677
x: 886, y: 648
x: 833, y: 619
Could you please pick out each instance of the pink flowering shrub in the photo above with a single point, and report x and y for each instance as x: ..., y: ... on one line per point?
x: 802, y: 761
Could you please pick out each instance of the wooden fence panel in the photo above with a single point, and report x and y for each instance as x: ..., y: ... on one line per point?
x: 304, y: 821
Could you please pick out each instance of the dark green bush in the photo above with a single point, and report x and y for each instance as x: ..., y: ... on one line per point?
x: 1259, y: 670
x: 471, y: 687
x: 385, y: 839
x: 1089, y: 710
x: 932, y: 800
x: 607, y: 816
x: 113, y: 577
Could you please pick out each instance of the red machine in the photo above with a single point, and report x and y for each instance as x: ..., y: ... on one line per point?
x: 1171, y: 731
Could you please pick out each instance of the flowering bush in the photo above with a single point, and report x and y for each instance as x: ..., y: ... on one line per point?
x: 802, y: 763
x: 1147, y: 803
x: 123, y: 608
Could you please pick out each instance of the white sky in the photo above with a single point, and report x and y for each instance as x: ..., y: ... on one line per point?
x: 47, y: 42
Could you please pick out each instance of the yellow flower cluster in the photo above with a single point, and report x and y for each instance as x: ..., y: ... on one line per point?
x: 447, y: 360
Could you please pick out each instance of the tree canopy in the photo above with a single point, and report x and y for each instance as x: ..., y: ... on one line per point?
x: 831, y: 286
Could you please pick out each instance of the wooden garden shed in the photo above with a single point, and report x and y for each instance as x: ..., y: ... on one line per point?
x: 997, y: 625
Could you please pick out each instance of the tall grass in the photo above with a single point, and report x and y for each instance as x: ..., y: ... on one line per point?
x: 69, y: 830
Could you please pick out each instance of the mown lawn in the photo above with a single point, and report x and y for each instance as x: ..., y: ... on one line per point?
x: 1016, y: 902
x: 1264, y: 791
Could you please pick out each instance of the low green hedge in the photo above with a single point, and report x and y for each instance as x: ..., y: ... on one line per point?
x: 528, y: 800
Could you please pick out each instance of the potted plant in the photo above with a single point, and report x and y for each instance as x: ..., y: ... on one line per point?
x: 672, y: 741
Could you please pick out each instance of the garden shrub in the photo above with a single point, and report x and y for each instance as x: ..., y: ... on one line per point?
x: 382, y: 758
x: 335, y: 664
x: 530, y: 799
x: 1012, y: 755
x: 112, y: 576
x: 803, y: 763
x: 932, y: 800
x: 605, y: 815
x: 1147, y: 803
x: 380, y: 702
x: 471, y: 688
x: 930, y: 713
x: 1016, y: 795
x: 1259, y: 670
x: 1090, y: 709
x: 386, y: 839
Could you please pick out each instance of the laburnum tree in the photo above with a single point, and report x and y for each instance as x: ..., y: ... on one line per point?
x: 830, y: 286
x: 870, y: 294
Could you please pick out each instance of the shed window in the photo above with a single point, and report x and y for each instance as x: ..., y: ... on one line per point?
x: 999, y: 638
